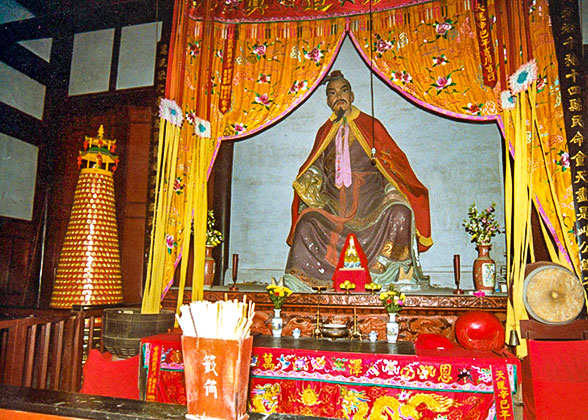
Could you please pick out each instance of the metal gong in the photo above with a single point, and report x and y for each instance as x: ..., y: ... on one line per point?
x: 552, y: 294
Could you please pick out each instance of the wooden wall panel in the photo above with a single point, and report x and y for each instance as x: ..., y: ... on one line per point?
x: 136, y: 174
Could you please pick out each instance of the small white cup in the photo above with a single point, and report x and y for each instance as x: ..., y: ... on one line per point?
x: 296, y: 333
x: 373, y: 336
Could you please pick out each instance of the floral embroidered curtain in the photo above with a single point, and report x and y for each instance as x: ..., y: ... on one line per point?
x: 247, y: 76
x: 433, y: 60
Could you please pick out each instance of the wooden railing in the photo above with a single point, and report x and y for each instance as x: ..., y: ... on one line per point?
x: 46, y: 349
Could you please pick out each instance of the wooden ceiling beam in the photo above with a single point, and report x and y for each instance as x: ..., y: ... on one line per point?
x: 22, y: 126
x: 26, y: 62
x: 84, y: 17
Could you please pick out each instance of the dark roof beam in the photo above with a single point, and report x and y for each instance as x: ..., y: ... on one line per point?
x: 28, y: 63
x: 74, y: 20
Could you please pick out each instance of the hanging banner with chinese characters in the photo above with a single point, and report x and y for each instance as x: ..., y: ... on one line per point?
x: 568, y: 46
x: 228, y: 57
x: 502, y: 392
x: 485, y: 44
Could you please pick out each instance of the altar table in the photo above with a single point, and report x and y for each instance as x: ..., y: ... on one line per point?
x: 353, y: 379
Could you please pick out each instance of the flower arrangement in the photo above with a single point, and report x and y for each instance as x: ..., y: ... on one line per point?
x: 213, y: 236
x: 393, y: 300
x: 278, y: 294
x: 482, y: 225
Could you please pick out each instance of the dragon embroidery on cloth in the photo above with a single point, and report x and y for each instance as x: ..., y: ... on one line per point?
x: 356, y: 407
x: 265, y: 398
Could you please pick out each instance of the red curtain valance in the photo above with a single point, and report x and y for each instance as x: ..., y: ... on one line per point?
x: 249, y: 11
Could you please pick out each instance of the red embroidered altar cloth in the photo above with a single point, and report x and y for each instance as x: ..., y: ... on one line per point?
x: 370, y: 385
x: 292, y: 376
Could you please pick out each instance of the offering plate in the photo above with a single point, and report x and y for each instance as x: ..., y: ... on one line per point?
x: 334, y: 331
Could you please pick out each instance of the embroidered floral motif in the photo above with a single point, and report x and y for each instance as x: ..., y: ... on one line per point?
x: 260, y: 50
x: 170, y: 243
x: 239, y: 128
x: 262, y: 100
x: 191, y: 117
x: 442, y: 83
x: 443, y: 28
x: 473, y: 109
x: 178, y: 186
x: 523, y: 77
x: 263, y: 78
x: 383, y: 44
x: 298, y: 85
x: 564, y: 160
x: 193, y: 49
x: 541, y: 83
x: 314, y: 54
x: 401, y: 76
x: 440, y: 60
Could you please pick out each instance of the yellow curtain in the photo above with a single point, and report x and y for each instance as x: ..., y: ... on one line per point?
x: 429, y: 57
x: 432, y: 58
x: 534, y: 125
x: 276, y: 66
x: 426, y: 52
x: 185, y: 152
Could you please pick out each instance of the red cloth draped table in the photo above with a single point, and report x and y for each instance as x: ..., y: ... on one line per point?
x: 367, y: 381
x: 352, y: 379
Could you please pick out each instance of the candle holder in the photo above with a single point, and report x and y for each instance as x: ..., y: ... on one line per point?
x: 234, y: 287
x: 355, y: 334
x: 317, y: 333
x: 319, y: 289
x: 456, y: 274
x: 373, y: 287
x: 347, y: 286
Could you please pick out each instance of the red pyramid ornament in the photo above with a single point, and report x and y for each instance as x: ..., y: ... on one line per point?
x: 352, y: 266
x: 88, y: 272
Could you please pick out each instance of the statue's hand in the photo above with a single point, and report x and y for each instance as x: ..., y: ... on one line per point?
x: 309, y: 187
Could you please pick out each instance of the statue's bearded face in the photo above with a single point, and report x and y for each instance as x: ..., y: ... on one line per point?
x: 340, y: 96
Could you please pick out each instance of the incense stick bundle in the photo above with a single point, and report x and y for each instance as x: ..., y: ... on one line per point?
x: 228, y: 319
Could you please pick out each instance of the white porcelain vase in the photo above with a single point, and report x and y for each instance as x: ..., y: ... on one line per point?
x: 277, y: 323
x: 392, y: 328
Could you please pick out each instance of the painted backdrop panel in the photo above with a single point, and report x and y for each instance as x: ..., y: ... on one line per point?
x: 458, y: 162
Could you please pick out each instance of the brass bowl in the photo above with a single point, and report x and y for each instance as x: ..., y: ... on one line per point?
x: 334, y: 331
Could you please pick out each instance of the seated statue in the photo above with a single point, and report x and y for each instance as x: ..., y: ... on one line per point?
x: 351, y: 184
